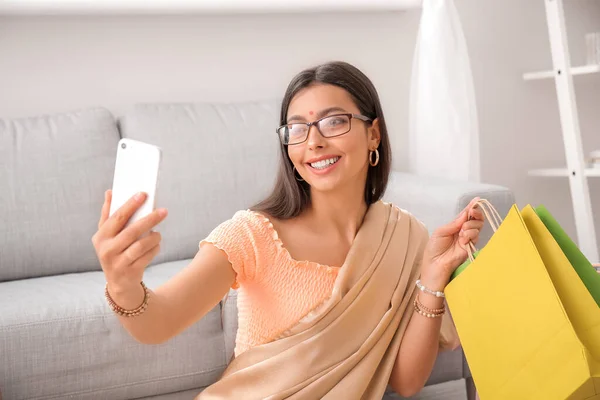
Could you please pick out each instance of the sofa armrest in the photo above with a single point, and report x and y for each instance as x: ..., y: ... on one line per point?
x: 436, y: 201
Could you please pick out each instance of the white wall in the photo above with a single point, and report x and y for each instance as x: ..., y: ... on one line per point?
x: 54, y: 64
x: 50, y: 64
x: 519, y: 121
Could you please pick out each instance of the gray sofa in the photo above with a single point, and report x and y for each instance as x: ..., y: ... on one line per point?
x: 58, y: 338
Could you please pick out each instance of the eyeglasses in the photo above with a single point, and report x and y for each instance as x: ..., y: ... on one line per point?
x: 329, y: 126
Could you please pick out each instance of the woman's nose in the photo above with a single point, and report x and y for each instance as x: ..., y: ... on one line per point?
x: 315, y: 139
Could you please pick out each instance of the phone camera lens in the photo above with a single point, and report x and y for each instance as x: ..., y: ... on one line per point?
x: 123, y: 145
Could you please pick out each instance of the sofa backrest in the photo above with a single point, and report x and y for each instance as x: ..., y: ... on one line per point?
x: 54, y: 171
x: 217, y: 159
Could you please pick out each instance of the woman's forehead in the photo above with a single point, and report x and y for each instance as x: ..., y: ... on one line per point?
x: 312, y: 100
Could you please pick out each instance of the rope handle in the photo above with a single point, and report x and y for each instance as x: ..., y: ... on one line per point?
x: 492, y: 216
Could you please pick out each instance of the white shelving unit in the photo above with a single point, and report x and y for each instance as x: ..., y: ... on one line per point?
x: 563, y: 172
x: 576, y: 170
x: 583, y: 70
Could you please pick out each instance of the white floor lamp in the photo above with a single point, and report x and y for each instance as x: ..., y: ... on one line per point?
x: 443, y: 131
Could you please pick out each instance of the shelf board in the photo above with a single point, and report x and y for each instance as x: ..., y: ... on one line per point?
x: 111, y: 7
x: 582, y: 70
x: 563, y: 172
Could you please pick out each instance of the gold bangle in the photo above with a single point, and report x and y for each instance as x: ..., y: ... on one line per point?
x: 428, y: 312
x: 128, y: 313
x: 428, y: 315
x: 417, y: 303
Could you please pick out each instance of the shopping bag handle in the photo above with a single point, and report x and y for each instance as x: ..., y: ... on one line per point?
x: 492, y: 216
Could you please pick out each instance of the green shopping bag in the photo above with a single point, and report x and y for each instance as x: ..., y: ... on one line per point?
x: 583, y: 267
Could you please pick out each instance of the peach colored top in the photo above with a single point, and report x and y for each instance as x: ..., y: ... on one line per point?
x: 275, y: 291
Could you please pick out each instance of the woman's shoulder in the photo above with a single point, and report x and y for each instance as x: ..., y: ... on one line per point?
x: 251, y: 218
x: 250, y: 223
x: 244, y: 216
x: 245, y: 239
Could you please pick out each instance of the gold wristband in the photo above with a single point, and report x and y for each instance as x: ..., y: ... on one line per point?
x: 417, y: 303
x: 128, y: 313
x: 428, y: 312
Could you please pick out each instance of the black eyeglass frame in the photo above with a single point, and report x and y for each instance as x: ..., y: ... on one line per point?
x: 316, y: 124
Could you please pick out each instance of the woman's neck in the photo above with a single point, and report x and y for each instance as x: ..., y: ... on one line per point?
x: 340, y: 213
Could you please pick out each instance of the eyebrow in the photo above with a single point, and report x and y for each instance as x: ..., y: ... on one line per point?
x: 319, y: 115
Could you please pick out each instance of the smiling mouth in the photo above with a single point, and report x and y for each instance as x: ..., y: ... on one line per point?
x: 322, y: 164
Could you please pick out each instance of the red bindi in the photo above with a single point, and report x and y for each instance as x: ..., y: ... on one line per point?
x: 311, y: 112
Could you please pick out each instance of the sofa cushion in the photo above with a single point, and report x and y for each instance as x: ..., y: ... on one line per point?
x: 217, y: 159
x: 59, y: 339
x: 54, y: 173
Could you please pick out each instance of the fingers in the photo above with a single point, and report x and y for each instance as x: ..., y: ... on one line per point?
x: 145, y: 260
x: 455, y: 226
x: 476, y: 213
x: 139, y: 248
x: 452, y: 228
x: 471, y: 235
x: 470, y: 232
x: 469, y: 206
x: 466, y: 212
x: 472, y: 224
x: 117, y: 221
x: 132, y: 233
x: 105, y: 208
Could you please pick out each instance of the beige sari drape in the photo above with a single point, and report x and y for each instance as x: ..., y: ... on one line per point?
x: 346, y: 348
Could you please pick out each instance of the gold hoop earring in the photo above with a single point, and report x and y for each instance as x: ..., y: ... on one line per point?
x: 371, y: 162
x: 299, y: 180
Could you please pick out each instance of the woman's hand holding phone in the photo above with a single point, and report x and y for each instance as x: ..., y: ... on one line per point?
x: 122, y: 251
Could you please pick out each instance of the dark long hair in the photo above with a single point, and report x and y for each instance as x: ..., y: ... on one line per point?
x: 290, y: 196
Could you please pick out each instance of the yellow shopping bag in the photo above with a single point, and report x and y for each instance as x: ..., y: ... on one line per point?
x: 527, y: 324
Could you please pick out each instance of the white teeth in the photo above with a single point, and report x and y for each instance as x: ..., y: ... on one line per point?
x: 324, y: 163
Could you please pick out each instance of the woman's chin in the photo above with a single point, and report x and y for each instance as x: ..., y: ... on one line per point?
x: 321, y: 187
x: 324, y: 185
x: 334, y: 183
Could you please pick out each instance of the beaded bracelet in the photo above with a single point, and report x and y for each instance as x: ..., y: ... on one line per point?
x: 128, y: 313
x: 422, y: 288
x: 428, y: 314
x: 417, y: 303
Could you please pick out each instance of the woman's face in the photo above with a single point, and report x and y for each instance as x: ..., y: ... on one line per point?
x: 328, y: 164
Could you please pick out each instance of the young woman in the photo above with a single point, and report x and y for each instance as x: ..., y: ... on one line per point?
x: 328, y: 274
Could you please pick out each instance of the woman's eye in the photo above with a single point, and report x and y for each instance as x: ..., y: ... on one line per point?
x: 297, y: 129
x: 335, y: 121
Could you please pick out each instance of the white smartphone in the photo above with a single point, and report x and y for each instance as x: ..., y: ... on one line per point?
x: 136, y: 170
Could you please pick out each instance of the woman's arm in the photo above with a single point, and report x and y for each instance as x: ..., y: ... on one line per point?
x: 420, y: 344
x: 182, y: 300
x: 444, y: 252
x: 124, y: 254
